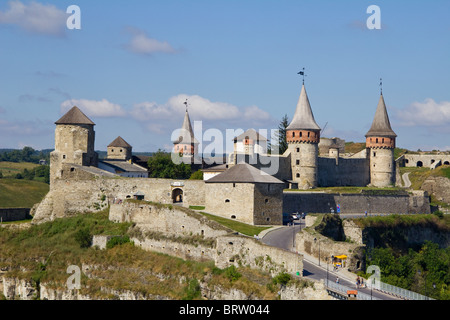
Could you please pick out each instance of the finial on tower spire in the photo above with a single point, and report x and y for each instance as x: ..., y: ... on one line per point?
x: 186, y: 104
x: 381, y: 86
x: 302, y: 73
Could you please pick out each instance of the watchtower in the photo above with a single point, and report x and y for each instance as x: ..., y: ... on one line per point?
x: 74, y: 142
x: 303, y: 137
x: 380, y: 141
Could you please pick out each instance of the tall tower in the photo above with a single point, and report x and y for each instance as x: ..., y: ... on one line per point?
x: 74, y: 142
x: 380, y: 141
x: 303, y: 136
x: 186, y: 144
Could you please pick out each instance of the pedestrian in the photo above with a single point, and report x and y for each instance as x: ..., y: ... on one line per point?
x: 337, y: 280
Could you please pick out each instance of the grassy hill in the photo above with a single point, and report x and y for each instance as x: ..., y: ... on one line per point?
x: 21, y: 193
x: 43, y: 252
x: 9, y: 169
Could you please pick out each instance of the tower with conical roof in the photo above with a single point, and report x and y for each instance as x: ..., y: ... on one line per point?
x: 380, y: 141
x: 186, y: 144
x: 303, y: 136
x: 119, y: 149
x: 74, y: 142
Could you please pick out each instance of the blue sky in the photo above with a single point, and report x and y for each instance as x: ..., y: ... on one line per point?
x: 134, y: 63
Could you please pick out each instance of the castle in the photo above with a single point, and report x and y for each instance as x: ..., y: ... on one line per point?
x: 248, y: 188
x: 301, y: 166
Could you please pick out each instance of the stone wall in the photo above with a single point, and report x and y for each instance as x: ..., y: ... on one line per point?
x: 323, y: 248
x: 246, y: 251
x: 341, y: 171
x: 171, y: 220
x: 14, y: 214
x: 92, y: 193
x: 321, y: 202
x: 423, y: 160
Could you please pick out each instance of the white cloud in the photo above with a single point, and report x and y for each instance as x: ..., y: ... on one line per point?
x: 141, y: 43
x: 428, y: 114
x: 35, y: 18
x: 102, y: 108
x: 213, y: 113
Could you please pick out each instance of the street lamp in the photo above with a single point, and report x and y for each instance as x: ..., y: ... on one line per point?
x: 315, y: 239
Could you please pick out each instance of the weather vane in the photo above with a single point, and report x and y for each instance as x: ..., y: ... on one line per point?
x: 302, y: 73
x: 186, y: 103
x: 381, y: 85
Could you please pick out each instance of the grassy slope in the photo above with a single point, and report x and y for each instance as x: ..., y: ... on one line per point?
x: 11, y: 168
x: 47, y: 250
x: 21, y: 193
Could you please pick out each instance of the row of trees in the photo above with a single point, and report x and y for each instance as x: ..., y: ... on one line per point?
x: 27, y: 154
x: 40, y: 173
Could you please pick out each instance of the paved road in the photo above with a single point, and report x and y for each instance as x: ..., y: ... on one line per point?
x: 407, y: 182
x: 283, y: 237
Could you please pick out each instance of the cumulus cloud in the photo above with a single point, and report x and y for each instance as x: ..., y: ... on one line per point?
x: 141, y: 43
x: 35, y: 17
x: 94, y: 108
x: 427, y: 114
x: 200, y: 108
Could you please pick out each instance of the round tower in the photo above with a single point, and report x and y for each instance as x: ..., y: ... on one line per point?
x: 380, y: 142
x: 303, y: 137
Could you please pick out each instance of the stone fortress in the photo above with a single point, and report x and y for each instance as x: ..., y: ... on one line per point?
x: 241, y: 189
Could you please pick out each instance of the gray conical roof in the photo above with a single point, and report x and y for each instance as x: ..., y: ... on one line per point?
x: 244, y: 173
x: 303, y: 118
x: 381, y: 126
x: 186, y: 132
x: 74, y: 116
x: 119, y: 142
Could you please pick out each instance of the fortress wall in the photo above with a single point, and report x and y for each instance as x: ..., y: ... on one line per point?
x: 173, y: 221
x: 236, y: 250
x: 316, y: 202
x: 343, y: 172
x: 231, y: 201
x: 268, y: 204
x: 411, y: 160
x: 93, y: 193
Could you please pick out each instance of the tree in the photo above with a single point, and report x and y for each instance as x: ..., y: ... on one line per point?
x: 280, y: 136
x: 197, y: 175
x: 160, y: 165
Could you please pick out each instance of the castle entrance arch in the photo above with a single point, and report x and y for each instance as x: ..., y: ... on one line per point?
x: 177, y: 195
x: 419, y: 164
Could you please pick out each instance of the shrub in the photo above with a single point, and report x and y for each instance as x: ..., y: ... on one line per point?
x: 282, y: 278
x: 232, y: 273
x: 84, y: 238
x: 117, y: 241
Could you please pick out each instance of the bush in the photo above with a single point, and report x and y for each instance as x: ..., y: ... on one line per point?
x: 84, y: 238
x: 117, y: 241
x: 282, y: 278
x: 232, y: 273
x: 192, y: 290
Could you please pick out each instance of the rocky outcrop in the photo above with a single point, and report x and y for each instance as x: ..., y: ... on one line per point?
x: 439, y: 187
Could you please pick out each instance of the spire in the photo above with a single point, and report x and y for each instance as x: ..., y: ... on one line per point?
x: 303, y: 118
x: 381, y: 126
x: 186, y: 132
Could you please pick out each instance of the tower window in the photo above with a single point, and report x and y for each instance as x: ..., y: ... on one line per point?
x: 300, y: 134
x: 293, y: 134
x: 298, y: 175
x: 374, y: 154
x: 64, y: 156
x: 376, y: 140
x: 308, y: 134
x: 297, y: 162
x: 298, y: 149
x: 227, y: 200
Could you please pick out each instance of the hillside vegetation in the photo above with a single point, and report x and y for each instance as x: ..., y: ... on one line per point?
x: 43, y: 253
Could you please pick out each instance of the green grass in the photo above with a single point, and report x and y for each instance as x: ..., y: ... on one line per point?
x: 43, y: 252
x: 21, y: 193
x: 11, y: 168
x: 418, y: 175
x: 241, y: 227
x: 197, y: 207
